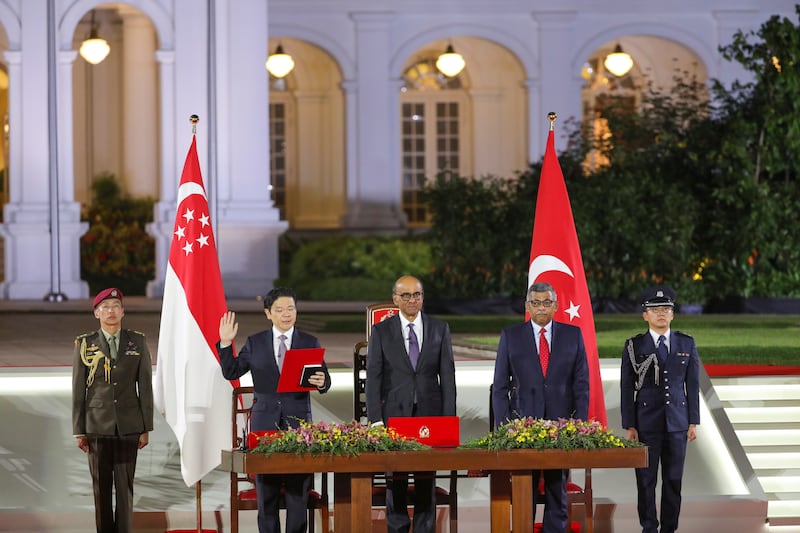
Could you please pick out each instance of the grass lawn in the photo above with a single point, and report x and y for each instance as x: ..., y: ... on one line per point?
x: 728, y: 339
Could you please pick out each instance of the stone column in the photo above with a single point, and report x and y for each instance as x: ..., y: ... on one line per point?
x: 374, y: 201
x: 164, y: 210
x: 27, y: 220
x: 249, y: 225
x: 562, y: 96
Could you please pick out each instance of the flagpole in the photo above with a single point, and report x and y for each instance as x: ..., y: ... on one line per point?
x: 198, y: 493
x: 552, y: 116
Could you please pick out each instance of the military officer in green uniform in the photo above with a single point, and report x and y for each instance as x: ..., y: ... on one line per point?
x: 112, y: 408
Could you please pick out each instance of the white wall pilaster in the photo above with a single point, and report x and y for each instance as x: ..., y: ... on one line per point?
x: 249, y: 224
x: 27, y: 228
x: 374, y: 202
x: 164, y: 210
x: 560, y: 89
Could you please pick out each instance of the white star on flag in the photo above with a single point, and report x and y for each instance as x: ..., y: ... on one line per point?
x: 573, y: 311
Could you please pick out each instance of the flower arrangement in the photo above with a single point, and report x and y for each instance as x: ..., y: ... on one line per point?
x: 536, y: 433
x: 336, y: 439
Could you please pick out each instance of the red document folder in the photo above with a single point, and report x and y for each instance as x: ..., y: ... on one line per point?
x: 439, y: 431
x: 297, y: 365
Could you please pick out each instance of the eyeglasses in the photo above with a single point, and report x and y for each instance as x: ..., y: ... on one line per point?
x: 108, y: 307
x: 662, y: 309
x: 540, y: 303
x: 406, y: 296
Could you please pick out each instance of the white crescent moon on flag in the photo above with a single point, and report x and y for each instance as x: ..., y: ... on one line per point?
x: 547, y: 263
x: 188, y: 189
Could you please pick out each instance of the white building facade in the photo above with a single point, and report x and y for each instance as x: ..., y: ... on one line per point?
x: 343, y: 143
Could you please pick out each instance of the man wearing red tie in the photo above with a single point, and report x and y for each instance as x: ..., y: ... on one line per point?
x: 541, y: 371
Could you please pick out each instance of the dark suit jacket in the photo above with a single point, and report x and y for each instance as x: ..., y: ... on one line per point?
x: 258, y: 357
x: 564, y: 393
x: 673, y: 403
x: 391, y: 381
x: 124, y: 402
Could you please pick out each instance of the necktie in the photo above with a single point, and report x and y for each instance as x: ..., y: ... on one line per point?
x: 662, y: 348
x: 544, y: 351
x: 413, y: 346
x: 112, y: 347
x: 281, y: 351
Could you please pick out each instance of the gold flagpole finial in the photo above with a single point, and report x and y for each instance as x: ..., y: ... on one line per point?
x: 194, y: 119
x: 551, y: 116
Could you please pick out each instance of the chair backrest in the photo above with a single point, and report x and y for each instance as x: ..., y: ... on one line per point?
x: 240, y: 416
x: 375, y: 313
x: 379, y: 312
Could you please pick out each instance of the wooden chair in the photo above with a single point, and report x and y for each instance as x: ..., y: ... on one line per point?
x: 245, y: 498
x: 576, y: 495
x: 444, y: 497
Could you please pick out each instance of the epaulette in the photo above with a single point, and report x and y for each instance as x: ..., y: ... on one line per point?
x: 682, y: 334
x: 84, y: 336
x: 637, y: 337
x: 137, y: 332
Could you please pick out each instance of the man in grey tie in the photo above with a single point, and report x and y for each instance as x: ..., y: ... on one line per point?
x: 262, y: 356
x: 660, y: 405
x: 112, y: 408
x: 410, y: 372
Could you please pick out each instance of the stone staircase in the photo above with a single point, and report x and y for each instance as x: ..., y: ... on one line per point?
x: 765, y: 414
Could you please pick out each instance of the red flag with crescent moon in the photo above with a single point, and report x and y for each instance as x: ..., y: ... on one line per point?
x: 556, y: 259
x: 190, y: 390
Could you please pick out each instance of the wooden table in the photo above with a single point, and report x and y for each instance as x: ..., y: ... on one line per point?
x: 511, y: 475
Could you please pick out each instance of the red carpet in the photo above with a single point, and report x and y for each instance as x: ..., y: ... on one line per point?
x: 575, y: 527
x: 725, y: 371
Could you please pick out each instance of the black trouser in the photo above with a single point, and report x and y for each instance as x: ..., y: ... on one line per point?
x: 397, y: 520
x: 268, y: 488
x: 112, y: 464
x: 669, y: 448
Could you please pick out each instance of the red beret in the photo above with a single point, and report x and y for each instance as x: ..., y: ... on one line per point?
x: 105, y: 294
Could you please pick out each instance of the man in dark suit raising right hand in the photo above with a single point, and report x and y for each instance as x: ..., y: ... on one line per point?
x: 410, y: 372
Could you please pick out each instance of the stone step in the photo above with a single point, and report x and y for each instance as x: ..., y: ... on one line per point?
x: 768, y: 437
x: 765, y: 415
x: 755, y: 391
x: 768, y: 461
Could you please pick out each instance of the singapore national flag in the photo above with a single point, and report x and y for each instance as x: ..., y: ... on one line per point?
x: 556, y: 259
x: 189, y: 388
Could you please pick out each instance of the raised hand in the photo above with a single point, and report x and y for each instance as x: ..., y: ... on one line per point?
x: 227, y: 329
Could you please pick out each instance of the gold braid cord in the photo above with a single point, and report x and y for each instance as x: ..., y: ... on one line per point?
x: 93, y: 361
x: 641, y: 369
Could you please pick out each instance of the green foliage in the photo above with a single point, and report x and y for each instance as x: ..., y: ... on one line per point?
x: 117, y: 251
x: 754, y: 241
x: 724, y: 339
x: 638, y: 217
x: 334, y: 438
x: 768, y: 108
x: 353, y: 268
x: 480, y: 234
x: 539, y: 434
